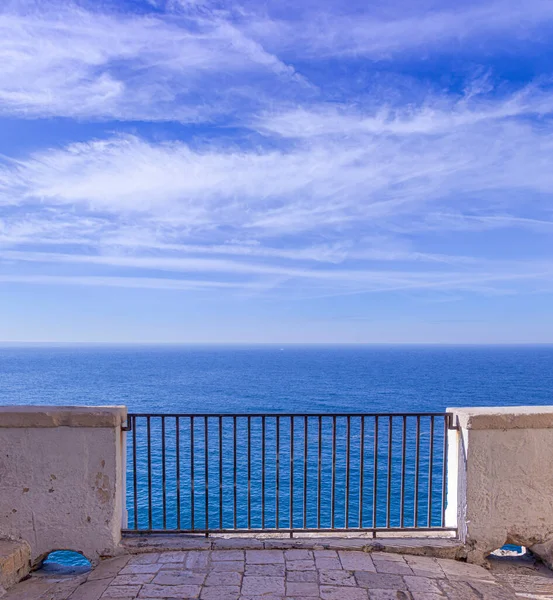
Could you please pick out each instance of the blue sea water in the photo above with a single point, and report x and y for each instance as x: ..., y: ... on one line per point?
x: 277, y: 378
x: 280, y: 379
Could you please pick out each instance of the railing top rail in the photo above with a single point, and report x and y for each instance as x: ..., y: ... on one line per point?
x: 302, y: 414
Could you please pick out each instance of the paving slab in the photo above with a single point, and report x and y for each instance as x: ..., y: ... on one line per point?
x: 134, y: 579
x: 64, y: 589
x: 109, y: 568
x: 223, y: 578
x: 298, y: 554
x: 138, y: 569
x: 323, y: 562
x: 380, y: 581
x: 123, y: 591
x: 394, y: 567
x: 261, y: 586
x: 388, y: 595
x: 306, y: 576
x: 144, y: 559
x: 266, y: 570
x: 302, y: 589
x: 226, y: 592
x: 184, y: 577
x: 422, y: 585
x: 169, y: 591
x: 264, y: 557
x: 341, y: 593
x: 173, y: 557
x: 227, y: 555
x: 356, y: 561
x: 336, y: 577
x: 288, y: 574
x: 228, y: 565
x: 300, y: 565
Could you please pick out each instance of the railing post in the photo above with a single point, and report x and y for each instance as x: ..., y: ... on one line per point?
x: 455, y: 471
x: 123, y: 459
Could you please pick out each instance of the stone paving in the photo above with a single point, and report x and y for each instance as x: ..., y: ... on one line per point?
x: 286, y: 575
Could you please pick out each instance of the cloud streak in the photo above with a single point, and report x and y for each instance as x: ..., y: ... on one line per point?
x: 269, y: 276
x: 300, y: 177
x: 381, y: 35
x: 62, y: 60
x: 195, y: 62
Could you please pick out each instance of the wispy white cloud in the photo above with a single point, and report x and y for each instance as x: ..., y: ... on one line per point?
x: 437, y: 115
x: 127, y: 282
x: 61, y: 60
x: 470, y: 222
x: 196, y: 62
x: 130, y: 203
x: 340, y: 281
x: 403, y: 27
x: 320, y: 194
x: 328, y: 183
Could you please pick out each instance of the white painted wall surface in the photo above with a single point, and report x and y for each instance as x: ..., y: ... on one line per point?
x: 62, y: 478
x: 502, y: 485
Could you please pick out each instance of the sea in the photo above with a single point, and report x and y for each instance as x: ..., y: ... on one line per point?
x: 274, y: 378
x: 278, y: 379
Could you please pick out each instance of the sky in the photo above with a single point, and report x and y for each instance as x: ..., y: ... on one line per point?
x: 287, y: 171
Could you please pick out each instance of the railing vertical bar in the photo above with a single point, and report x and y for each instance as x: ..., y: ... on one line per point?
x: 333, y: 492
x: 277, y: 474
x: 348, y: 443
x: 361, y: 468
x: 249, y: 472
x: 220, y: 472
x: 263, y: 472
x: 444, y: 470
x: 375, y: 470
x: 389, y: 468
x: 163, y: 473
x: 417, y: 457
x: 403, y: 460
x: 148, y: 425
x: 319, y: 472
x: 192, y: 491
x: 135, y: 473
x: 206, y: 471
x: 430, y: 471
x: 177, y: 467
x: 235, y: 490
x: 291, y: 474
x: 305, y: 430
x: 404, y: 468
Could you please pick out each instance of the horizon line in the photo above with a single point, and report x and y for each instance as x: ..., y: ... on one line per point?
x: 281, y: 344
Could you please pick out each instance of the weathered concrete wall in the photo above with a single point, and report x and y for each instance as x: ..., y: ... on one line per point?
x: 501, y: 479
x: 62, y: 478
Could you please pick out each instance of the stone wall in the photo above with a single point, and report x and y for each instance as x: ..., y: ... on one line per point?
x: 62, y: 477
x: 15, y: 563
x: 62, y: 473
x: 500, y: 483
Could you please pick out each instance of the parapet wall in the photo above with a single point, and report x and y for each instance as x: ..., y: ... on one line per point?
x: 62, y: 477
x: 500, y: 483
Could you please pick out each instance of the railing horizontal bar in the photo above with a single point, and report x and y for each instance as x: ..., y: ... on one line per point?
x: 261, y: 486
x: 288, y: 415
x: 295, y: 530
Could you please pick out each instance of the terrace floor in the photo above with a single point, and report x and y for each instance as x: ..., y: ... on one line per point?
x: 262, y: 574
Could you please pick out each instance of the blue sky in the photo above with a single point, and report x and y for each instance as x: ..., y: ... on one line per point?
x: 279, y: 171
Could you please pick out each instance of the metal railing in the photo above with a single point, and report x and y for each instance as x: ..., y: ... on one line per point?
x: 224, y: 473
